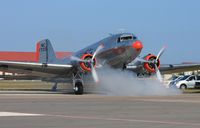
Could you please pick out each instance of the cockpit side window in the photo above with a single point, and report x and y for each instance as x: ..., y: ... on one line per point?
x: 134, y: 37
x: 118, y: 39
x: 126, y: 38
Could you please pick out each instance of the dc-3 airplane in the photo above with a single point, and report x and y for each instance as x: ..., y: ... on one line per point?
x: 118, y: 51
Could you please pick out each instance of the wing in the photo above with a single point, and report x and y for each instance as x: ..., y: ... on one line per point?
x: 175, y: 68
x: 38, y: 69
x: 165, y: 68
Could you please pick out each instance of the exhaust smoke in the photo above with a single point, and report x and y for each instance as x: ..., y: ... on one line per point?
x: 125, y: 83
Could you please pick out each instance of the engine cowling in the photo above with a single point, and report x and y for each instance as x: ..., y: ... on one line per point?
x: 86, y: 65
x: 150, y: 67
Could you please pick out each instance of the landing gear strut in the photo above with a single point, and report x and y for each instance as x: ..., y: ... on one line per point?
x: 78, y: 83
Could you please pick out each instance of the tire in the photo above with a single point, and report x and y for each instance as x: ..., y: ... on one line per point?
x: 78, y: 89
x: 183, y: 87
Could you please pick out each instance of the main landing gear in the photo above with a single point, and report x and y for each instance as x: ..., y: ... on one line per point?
x: 78, y: 83
x: 78, y: 88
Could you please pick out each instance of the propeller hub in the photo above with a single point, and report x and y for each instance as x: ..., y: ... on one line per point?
x: 88, y: 61
x: 152, y: 63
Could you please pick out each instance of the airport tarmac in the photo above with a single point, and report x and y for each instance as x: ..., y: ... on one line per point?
x: 98, y: 111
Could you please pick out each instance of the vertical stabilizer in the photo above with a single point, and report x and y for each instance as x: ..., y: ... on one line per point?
x: 45, y: 52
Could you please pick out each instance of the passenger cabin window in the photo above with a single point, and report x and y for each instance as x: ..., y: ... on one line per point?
x: 126, y: 38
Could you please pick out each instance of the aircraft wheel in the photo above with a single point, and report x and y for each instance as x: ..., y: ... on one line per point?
x: 183, y: 87
x: 78, y: 89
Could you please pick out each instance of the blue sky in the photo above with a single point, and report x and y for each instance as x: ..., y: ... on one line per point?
x: 74, y: 24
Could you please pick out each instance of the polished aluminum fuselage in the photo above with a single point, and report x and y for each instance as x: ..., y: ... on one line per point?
x: 115, y: 54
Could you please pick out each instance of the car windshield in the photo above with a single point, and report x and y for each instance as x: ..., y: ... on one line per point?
x: 175, y: 78
x: 172, y: 78
x: 180, y: 77
x: 184, y: 77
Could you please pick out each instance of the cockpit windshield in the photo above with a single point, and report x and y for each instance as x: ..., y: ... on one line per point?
x: 126, y: 38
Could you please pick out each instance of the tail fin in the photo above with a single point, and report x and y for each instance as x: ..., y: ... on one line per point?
x: 45, y: 52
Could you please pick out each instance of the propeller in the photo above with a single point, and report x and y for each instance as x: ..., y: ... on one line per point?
x: 160, y: 52
x: 94, y: 74
x: 158, y: 74
x: 143, y: 60
x: 91, y: 62
x: 97, y: 51
x: 77, y: 59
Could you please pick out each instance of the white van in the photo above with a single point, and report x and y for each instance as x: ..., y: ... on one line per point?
x: 188, y: 81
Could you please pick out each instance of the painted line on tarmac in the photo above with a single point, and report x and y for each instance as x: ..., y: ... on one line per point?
x: 127, y: 120
x: 10, y: 114
x: 19, y: 114
x: 168, y: 101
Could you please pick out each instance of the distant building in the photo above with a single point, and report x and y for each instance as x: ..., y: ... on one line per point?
x: 27, y: 56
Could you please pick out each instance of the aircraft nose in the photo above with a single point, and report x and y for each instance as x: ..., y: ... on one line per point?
x: 137, y: 45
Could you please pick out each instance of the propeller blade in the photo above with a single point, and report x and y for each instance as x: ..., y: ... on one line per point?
x: 97, y: 50
x: 158, y: 74
x: 143, y: 60
x: 78, y: 59
x: 160, y: 53
x: 94, y: 74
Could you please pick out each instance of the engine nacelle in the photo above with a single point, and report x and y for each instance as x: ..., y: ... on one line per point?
x: 86, y: 65
x: 150, y: 67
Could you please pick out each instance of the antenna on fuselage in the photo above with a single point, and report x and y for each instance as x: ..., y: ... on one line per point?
x: 110, y: 34
x: 121, y: 30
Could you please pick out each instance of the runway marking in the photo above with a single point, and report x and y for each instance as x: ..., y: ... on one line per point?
x: 17, y: 114
x: 4, y: 114
x: 168, y: 101
x: 127, y: 120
